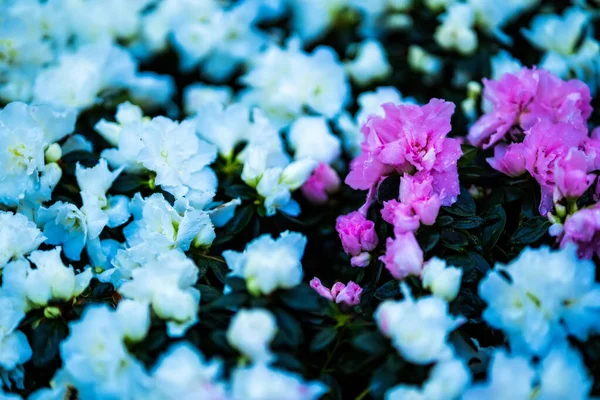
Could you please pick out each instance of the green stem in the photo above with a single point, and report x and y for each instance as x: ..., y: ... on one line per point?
x: 363, y: 394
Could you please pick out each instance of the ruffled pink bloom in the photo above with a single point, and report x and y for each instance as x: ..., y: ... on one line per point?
x: 509, y: 160
x: 521, y: 99
x: 445, y: 172
x: 545, y: 145
x: 572, y: 179
x: 345, y: 294
x: 350, y: 295
x: 323, y: 182
x: 417, y: 192
x: 408, y: 138
x: 357, y: 233
x: 583, y: 229
x: 403, y: 256
x: 401, y: 216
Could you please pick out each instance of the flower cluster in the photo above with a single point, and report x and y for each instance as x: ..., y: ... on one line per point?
x: 174, y: 173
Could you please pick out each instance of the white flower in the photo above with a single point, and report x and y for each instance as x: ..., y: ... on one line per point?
x: 503, y: 63
x: 127, y: 114
x: 100, y: 210
x: 182, y: 373
x: 180, y: 160
x: 159, y: 227
x: 251, y: 332
x: 560, y: 375
x: 260, y: 382
x: 370, y: 64
x: 64, y: 224
x: 166, y: 283
x: 14, y: 348
x: 311, y: 137
x: 134, y: 319
x: 51, y: 280
x: 492, y: 16
x: 419, y: 329
x: 313, y: 18
x: 96, y: 361
x: 421, y: 61
x: 284, y: 82
x: 447, y: 381
x: 441, y: 280
x: 18, y: 237
x: 198, y: 94
x: 551, y: 294
x: 268, y: 264
x: 456, y: 31
x: 509, y: 377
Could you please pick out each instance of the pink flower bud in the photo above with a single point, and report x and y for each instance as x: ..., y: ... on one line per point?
x: 572, y: 179
x: 403, y: 256
x: 356, y: 232
x: 315, y: 283
x: 361, y: 260
x: 323, y: 182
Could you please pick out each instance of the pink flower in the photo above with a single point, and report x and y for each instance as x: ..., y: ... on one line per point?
x: 522, y: 99
x: 356, y: 232
x: 403, y: 256
x: 417, y: 192
x: 407, y: 138
x: 401, y: 216
x: 572, y: 179
x: 583, y: 229
x: 508, y: 159
x: 545, y: 145
x: 316, y: 284
x: 350, y: 295
x: 323, y: 182
x: 361, y: 260
x: 345, y: 294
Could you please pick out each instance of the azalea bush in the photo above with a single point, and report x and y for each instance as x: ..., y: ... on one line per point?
x: 299, y: 199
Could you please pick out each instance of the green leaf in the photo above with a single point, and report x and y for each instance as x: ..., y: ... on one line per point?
x: 240, y: 220
x: 454, y: 240
x: 370, y: 342
x: 301, y: 298
x: 389, y: 189
x: 531, y: 231
x: 231, y: 300
x: 243, y: 192
x: 290, y: 330
x: 491, y: 233
x: 468, y: 155
x: 126, y: 183
x: 388, y: 290
x: 220, y: 270
x: 468, y: 222
x: 444, y: 220
x: 464, y: 206
x: 323, y: 339
x: 208, y: 294
x: 45, y: 341
x: 428, y: 238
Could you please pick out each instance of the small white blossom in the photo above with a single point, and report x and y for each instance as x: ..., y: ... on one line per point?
x: 443, y: 281
x: 14, y: 348
x: 18, y: 237
x: 166, y: 283
x: 311, y: 137
x: 456, y: 31
x: 551, y: 294
x: 419, y: 329
x: 64, y: 224
x: 268, y: 264
x: 198, y: 94
x: 370, y: 63
x: 260, y: 382
x: 134, y: 319
x: 95, y: 360
x: 251, y: 332
x: 182, y: 373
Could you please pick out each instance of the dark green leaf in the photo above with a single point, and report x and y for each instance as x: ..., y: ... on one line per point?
x: 370, y: 342
x: 240, y: 220
x: 290, y: 331
x: 220, y: 270
x: 531, y: 231
x: 301, y: 298
x: 243, y: 192
x: 231, y: 300
x: 468, y: 155
x: 45, y: 340
x: 323, y: 339
x: 464, y: 206
x: 491, y: 233
x: 126, y: 183
x: 468, y: 222
x: 444, y: 220
x: 388, y: 290
x: 208, y: 293
x: 389, y: 189
x: 454, y: 240
x: 428, y: 238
